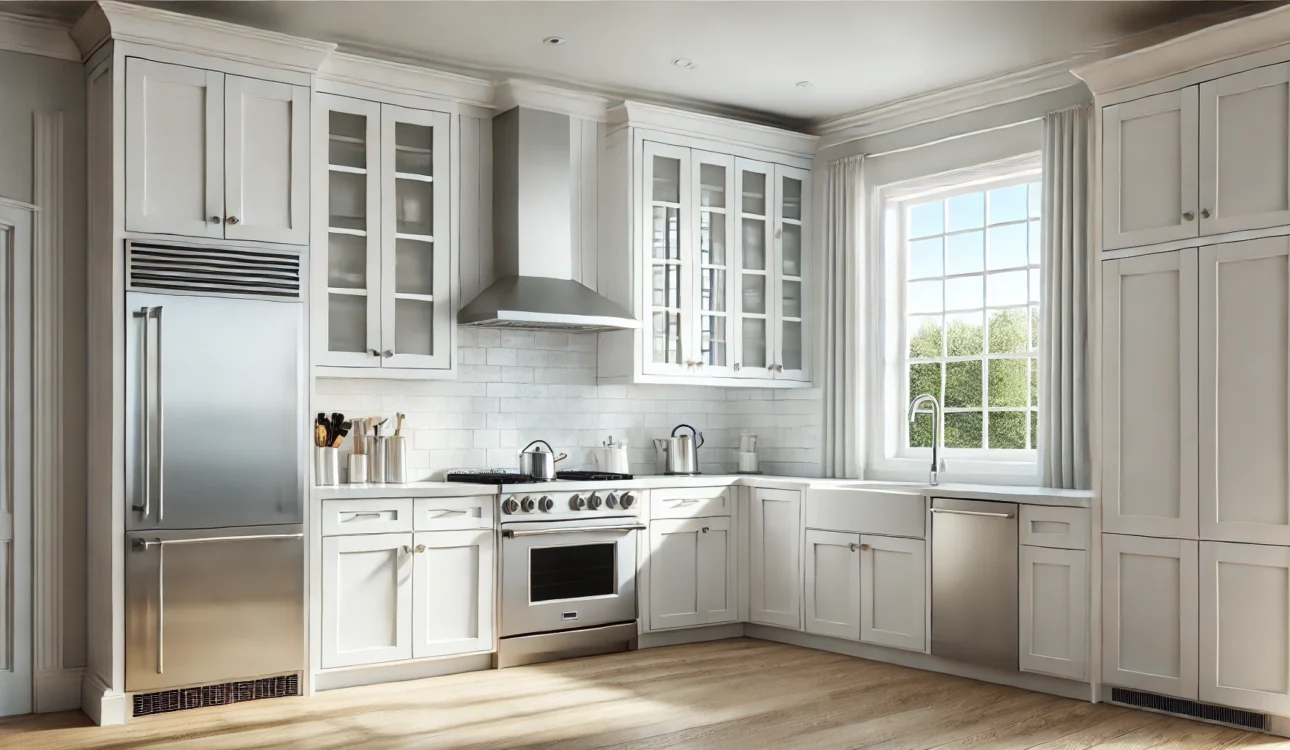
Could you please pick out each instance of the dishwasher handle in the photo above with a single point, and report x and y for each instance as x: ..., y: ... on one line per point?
x: 981, y: 513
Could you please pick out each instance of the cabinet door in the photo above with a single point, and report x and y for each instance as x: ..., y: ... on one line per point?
x: 1053, y: 600
x: 775, y: 580
x: 1149, y: 398
x: 893, y: 592
x: 1245, y: 626
x: 713, y: 178
x: 790, y: 292
x: 692, y: 572
x: 266, y: 161
x: 755, y: 351
x: 1244, y: 350
x: 416, y: 250
x: 833, y: 584
x: 1150, y: 614
x: 347, y: 246
x: 174, y: 131
x: 453, y: 593
x: 1245, y: 150
x: 668, y: 243
x: 1149, y: 175
x: 367, y: 599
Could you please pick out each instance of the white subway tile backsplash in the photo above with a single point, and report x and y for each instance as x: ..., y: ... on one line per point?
x: 514, y: 387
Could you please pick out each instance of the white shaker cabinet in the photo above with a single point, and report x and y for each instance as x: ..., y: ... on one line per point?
x: 893, y: 592
x: 1150, y: 181
x: 1245, y: 626
x: 1053, y: 602
x: 452, y: 595
x: 833, y: 584
x: 775, y: 575
x: 1150, y: 614
x: 1244, y: 369
x: 1149, y: 400
x: 367, y: 595
x: 1245, y: 150
x: 693, y: 572
x: 215, y: 155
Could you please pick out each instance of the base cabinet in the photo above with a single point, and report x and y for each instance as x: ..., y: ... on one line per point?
x: 774, y: 557
x: 367, y: 599
x: 693, y: 570
x: 1150, y: 614
x: 1053, y: 601
x: 1245, y: 626
x: 452, y: 593
x: 833, y: 584
x: 893, y: 592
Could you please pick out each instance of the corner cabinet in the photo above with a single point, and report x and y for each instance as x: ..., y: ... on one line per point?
x: 715, y: 237
x: 774, y: 558
x: 383, y: 259
x: 216, y: 155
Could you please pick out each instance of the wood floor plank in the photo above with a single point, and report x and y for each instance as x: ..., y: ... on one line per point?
x: 740, y: 693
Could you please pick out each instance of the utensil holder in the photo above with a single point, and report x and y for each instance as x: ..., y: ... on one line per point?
x: 396, y: 460
x: 376, y: 459
x: 357, y: 468
x: 326, y: 466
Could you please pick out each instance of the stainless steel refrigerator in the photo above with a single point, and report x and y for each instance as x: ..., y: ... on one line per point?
x: 215, y: 373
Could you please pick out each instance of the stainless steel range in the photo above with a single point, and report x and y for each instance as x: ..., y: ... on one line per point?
x: 568, y: 569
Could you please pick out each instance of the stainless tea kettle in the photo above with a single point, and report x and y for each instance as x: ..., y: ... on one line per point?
x: 680, y: 453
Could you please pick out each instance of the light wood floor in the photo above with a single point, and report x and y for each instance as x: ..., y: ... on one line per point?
x: 743, y: 694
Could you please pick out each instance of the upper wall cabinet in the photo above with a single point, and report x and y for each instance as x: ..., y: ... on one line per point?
x: 714, y: 237
x: 383, y: 256
x: 1203, y: 160
x: 210, y: 154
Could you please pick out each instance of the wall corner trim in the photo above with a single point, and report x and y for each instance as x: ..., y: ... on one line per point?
x: 37, y: 36
x: 103, y: 706
x: 57, y: 690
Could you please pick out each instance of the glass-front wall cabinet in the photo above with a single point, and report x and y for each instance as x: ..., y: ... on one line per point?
x: 385, y: 251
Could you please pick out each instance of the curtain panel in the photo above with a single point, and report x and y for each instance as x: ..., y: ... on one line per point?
x: 841, y: 319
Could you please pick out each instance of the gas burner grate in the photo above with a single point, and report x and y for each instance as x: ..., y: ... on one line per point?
x: 489, y: 477
x: 591, y: 476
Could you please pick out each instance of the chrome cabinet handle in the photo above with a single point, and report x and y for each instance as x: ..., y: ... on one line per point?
x: 145, y: 544
x: 779, y: 368
x: 737, y: 366
x: 512, y: 533
x: 982, y: 514
x: 374, y: 352
x: 232, y: 220
x: 148, y: 313
x: 161, y: 422
x: 357, y: 516
x: 215, y: 219
x: 146, y: 489
x: 421, y: 548
x: 854, y: 546
x: 864, y: 548
x: 1204, y: 213
x: 705, y: 529
x: 407, y: 550
x: 1188, y: 215
x: 387, y: 353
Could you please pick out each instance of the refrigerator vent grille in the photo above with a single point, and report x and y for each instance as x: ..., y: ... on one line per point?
x: 202, y: 270
x: 221, y: 694
x: 1191, y: 709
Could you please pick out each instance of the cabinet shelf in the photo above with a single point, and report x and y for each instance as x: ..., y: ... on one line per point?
x: 344, y: 230
x: 413, y: 176
x: 345, y: 169
x: 413, y: 149
x: 346, y: 139
x: 413, y: 237
x: 347, y: 290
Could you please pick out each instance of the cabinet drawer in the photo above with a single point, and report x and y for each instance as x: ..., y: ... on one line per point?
x: 381, y: 516
x: 445, y: 513
x: 1061, y: 528
x: 867, y: 512
x: 704, y: 502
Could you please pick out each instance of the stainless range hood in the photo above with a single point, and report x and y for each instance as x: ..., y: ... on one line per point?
x: 532, y: 230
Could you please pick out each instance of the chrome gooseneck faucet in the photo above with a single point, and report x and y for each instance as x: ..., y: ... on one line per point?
x: 938, y: 465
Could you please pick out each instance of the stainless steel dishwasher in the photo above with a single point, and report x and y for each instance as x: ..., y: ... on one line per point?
x: 974, y: 582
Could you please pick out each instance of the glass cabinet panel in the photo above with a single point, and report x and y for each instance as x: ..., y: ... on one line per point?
x: 669, y: 220
x: 753, y: 183
x: 714, y: 178
x: 790, y: 268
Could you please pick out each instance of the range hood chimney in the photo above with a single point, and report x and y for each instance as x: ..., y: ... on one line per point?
x: 532, y: 234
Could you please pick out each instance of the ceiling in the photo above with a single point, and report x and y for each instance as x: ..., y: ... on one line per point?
x: 748, y: 56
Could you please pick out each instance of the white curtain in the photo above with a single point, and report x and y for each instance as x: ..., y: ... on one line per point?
x: 1067, y: 271
x: 843, y: 238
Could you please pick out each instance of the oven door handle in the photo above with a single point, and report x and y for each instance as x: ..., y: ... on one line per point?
x: 511, y: 533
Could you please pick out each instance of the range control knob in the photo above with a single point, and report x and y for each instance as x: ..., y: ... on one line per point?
x: 628, y: 500
x: 611, y: 501
x: 527, y: 505
x: 545, y: 504
x: 577, y: 503
x: 594, y: 502
x: 510, y: 507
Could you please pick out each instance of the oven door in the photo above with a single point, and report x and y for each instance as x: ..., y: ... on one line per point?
x: 571, y: 574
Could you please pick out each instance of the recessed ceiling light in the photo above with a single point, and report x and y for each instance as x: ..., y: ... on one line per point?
x: 804, y: 84
x: 554, y: 41
x: 684, y: 62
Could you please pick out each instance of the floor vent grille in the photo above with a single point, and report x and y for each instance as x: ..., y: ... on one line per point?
x: 223, y: 271
x: 221, y: 694
x: 1192, y: 709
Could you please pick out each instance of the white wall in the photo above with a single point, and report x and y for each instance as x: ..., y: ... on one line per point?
x: 30, y: 84
x: 515, y: 387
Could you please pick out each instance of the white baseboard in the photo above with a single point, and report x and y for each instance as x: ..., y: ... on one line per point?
x: 56, y: 690
x: 691, y: 635
x: 103, y: 706
x: 333, y: 679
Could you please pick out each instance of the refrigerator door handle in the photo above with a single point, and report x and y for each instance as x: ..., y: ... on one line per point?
x: 161, y: 425
x: 146, y: 489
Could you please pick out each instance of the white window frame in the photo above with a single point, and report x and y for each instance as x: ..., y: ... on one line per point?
x: 890, y: 458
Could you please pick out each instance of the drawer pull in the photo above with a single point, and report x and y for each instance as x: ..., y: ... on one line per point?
x: 445, y: 513
x: 1050, y: 527
x: 357, y: 516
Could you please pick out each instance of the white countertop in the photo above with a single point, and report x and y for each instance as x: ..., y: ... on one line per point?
x: 1016, y: 494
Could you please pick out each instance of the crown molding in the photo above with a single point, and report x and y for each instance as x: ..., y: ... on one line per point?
x: 682, y: 122
x: 109, y: 19
x: 517, y: 92
x: 37, y: 36
x: 1237, y: 35
x: 405, y: 78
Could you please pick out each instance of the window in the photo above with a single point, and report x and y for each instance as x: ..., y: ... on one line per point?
x: 969, y: 279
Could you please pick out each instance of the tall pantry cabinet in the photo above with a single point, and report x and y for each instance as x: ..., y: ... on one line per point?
x: 1195, y: 370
